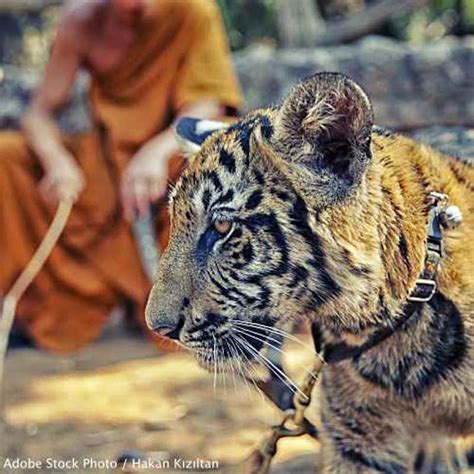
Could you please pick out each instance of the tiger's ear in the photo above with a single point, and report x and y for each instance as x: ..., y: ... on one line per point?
x: 322, y: 136
x: 192, y: 132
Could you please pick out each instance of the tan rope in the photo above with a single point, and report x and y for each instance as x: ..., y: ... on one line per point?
x: 34, y: 266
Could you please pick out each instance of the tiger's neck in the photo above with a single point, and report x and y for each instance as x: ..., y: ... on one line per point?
x: 376, y: 243
x: 418, y: 354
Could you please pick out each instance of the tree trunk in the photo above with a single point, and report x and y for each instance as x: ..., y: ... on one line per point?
x: 299, y: 23
x: 27, y: 5
x: 364, y: 22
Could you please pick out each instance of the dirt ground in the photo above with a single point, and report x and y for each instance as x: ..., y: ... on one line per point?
x: 119, y: 395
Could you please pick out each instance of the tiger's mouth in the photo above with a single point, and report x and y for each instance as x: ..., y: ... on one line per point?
x: 225, y: 352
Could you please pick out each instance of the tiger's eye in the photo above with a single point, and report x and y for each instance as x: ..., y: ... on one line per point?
x: 223, y: 227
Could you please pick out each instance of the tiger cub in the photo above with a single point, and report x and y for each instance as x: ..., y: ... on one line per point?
x: 308, y: 211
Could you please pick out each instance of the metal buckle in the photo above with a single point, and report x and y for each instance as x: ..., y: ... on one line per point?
x: 423, y: 299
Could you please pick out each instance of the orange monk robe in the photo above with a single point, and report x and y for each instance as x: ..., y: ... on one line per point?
x: 180, y: 57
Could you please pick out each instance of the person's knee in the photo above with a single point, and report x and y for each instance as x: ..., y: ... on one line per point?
x: 12, y: 146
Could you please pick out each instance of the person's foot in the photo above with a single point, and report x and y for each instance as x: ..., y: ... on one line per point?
x: 19, y: 340
x: 131, y: 319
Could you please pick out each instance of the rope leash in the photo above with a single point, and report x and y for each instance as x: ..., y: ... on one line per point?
x: 34, y: 266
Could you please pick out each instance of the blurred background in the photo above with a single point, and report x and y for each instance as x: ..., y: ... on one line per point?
x: 27, y: 25
x: 415, y: 58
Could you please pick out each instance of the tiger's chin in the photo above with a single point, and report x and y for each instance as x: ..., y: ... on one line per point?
x: 226, y: 356
x: 209, y: 362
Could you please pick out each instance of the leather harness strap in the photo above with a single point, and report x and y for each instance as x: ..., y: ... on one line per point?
x: 440, y: 215
x: 425, y: 286
x: 424, y: 290
x: 333, y: 353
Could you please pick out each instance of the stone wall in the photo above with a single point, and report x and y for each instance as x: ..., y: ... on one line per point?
x: 411, y: 87
x: 16, y: 86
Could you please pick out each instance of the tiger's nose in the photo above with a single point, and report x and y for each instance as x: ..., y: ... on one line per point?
x: 169, y: 330
x: 162, y: 312
x: 160, y: 319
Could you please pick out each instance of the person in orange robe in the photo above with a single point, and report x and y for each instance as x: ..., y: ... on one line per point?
x: 150, y: 61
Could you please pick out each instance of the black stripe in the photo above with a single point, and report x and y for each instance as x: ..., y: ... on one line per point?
x: 299, y: 219
x: 342, y: 351
x: 420, y: 461
x: 228, y: 293
x: 227, y: 160
x: 403, y: 247
x: 245, y: 128
x: 247, y: 252
x: 237, y: 234
x: 210, y: 320
x: 384, y: 132
x: 381, y: 466
x: 206, y: 198
x: 214, y: 178
x: 348, y: 421
x: 263, y: 294
x: 299, y: 275
x: 423, y: 181
x: 258, y: 177
x: 269, y: 223
x: 267, y: 127
x: 454, y: 167
x: 356, y: 457
x: 445, y: 350
x: 282, y: 195
x: 254, y: 200
x: 223, y: 198
x: 470, y: 457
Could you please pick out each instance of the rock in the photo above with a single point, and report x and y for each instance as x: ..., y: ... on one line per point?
x: 10, y: 37
x: 453, y: 141
x: 410, y: 86
x: 16, y: 86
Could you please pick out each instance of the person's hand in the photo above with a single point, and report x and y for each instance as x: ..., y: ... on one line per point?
x: 63, y: 181
x: 145, y: 179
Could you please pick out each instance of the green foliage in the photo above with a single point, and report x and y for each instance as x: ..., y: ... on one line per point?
x: 248, y: 21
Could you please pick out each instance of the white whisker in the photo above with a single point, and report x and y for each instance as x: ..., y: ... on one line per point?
x: 215, y: 363
x: 249, y: 363
x: 232, y: 367
x: 278, y: 331
x: 268, y: 363
x: 223, y: 375
x: 260, y: 337
x: 236, y: 352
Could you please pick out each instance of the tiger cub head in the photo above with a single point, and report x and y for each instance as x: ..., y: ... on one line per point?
x: 251, y: 243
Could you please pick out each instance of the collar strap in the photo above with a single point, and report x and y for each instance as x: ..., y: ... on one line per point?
x: 440, y: 216
x: 425, y: 286
x: 280, y: 394
x: 339, y: 351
